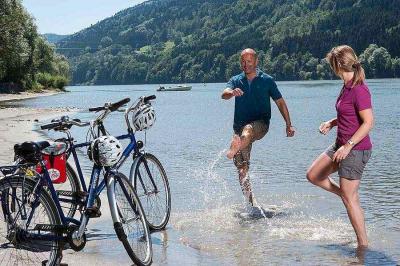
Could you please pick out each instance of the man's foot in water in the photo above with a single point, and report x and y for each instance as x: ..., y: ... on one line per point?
x: 235, y: 147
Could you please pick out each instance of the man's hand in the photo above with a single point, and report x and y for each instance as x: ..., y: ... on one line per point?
x: 229, y: 93
x: 236, y: 92
x: 341, y: 153
x: 290, y: 131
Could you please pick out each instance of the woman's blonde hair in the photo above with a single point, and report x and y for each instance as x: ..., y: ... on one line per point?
x: 343, y: 59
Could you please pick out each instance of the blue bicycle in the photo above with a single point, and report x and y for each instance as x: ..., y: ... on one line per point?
x: 146, y: 174
x: 34, y: 229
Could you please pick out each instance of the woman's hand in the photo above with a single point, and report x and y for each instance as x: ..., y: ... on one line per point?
x: 325, y: 127
x: 341, y: 153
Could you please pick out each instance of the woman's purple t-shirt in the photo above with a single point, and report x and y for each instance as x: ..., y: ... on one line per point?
x: 349, y: 103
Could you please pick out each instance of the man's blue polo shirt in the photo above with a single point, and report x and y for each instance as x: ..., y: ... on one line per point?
x: 255, y: 103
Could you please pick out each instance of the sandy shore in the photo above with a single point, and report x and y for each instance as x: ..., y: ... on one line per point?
x: 25, y: 95
x: 17, y: 124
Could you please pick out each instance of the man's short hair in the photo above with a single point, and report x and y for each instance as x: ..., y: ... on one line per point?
x: 249, y: 51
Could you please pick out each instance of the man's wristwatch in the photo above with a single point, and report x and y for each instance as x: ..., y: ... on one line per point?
x: 351, y: 142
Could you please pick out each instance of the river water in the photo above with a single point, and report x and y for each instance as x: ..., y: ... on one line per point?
x: 190, y: 137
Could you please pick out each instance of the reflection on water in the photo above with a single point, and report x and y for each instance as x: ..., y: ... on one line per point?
x: 190, y: 137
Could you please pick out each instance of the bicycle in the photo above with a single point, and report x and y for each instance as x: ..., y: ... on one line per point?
x: 147, y: 174
x: 35, y: 228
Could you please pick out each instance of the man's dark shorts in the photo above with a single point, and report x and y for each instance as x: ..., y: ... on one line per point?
x: 352, y: 167
x: 260, y: 128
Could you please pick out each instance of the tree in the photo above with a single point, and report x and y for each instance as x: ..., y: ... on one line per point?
x: 23, y: 53
x: 377, y: 61
x: 396, y: 67
x: 106, y: 41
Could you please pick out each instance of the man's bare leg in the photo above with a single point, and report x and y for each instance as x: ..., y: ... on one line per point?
x: 240, y: 143
x: 235, y: 147
x: 245, y: 184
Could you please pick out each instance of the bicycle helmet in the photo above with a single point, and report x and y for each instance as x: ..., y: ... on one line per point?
x: 144, y: 117
x: 105, y: 151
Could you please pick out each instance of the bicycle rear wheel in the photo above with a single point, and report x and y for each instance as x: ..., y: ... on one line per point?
x: 151, y: 184
x: 69, y: 192
x: 24, y: 214
x: 132, y: 228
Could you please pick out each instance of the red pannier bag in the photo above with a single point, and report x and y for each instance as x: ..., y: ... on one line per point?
x: 55, y: 159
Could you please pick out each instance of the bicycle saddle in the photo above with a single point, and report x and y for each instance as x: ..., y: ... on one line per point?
x: 29, y: 150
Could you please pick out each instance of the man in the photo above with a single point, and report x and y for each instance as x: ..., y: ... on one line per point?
x: 252, y: 91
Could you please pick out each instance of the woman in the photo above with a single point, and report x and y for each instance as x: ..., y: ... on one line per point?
x: 352, y: 148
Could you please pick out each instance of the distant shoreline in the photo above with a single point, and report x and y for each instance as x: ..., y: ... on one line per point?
x: 6, y: 97
x: 223, y: 82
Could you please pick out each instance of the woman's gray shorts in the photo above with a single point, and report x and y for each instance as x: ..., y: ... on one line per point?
x: 353, y: 165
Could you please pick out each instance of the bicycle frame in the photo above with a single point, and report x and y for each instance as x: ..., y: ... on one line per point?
x: 93, y: 190
x: 132, y: 147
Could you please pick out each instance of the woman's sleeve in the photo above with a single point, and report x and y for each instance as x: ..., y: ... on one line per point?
x: 362, y: 98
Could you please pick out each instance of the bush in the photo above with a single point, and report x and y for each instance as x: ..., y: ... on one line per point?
x: 50, y: 81
x: 45, y: 79
x: 60, y: 82
x: 36, y: 87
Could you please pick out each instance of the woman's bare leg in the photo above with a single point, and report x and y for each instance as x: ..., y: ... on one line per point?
x: 351, y: 201
x: 319, y: 171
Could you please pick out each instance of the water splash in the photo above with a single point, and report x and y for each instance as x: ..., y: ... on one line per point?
x: 212, y: 185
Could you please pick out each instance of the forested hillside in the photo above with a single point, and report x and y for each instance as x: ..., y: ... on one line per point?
x: 53, y: 38
x: 163, y: 41
x: 27, y: 61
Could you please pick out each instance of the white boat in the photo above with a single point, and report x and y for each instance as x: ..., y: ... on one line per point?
x: 175, y: 88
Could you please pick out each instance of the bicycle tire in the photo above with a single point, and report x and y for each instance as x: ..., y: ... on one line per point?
x: 156, y: 204
x: 17, y: 250
x: 131, y: 215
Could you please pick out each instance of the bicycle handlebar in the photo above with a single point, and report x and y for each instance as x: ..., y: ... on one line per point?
x: 51, y: 125
x: 96, y: 109
x: 115, y: 106
x: 110, y: 106
x: 149, y: 98
x: 64, y: 123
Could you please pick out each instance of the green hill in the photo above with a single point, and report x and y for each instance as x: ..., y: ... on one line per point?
x: 163, y: 41
x: 53, y: 38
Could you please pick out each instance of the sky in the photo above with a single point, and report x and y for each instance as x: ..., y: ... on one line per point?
x: 70, y: 16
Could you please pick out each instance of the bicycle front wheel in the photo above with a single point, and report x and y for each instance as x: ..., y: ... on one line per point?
x: 151, y: 184
x: 132, y: 228
x: 28, y: 224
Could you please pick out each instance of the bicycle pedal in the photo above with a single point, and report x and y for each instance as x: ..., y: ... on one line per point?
x: 51, y: 228
x: 93, y: 212
x: 77, y: 197
x: 68, y: 193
